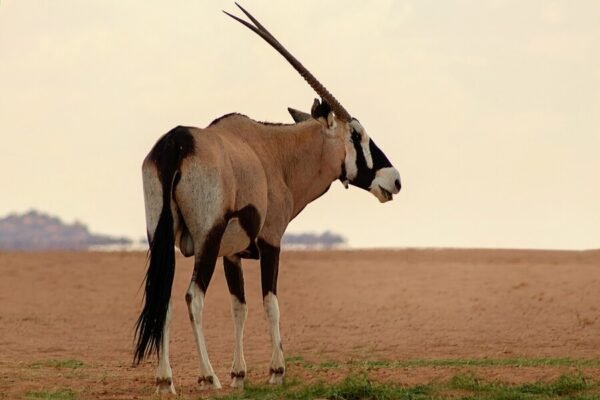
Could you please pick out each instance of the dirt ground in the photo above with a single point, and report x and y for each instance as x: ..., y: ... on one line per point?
x: 336, y: 306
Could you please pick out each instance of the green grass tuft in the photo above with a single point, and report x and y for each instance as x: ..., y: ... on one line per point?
x: 461, y: 386
x: 420, y: 363
x: 65, y: 394
x: 351, y: 388
x: 565, y: 385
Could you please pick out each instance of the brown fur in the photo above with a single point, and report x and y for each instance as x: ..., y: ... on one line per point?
x: 278, y: 169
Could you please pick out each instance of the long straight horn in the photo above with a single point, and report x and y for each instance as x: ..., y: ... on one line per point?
x: 308, y: 77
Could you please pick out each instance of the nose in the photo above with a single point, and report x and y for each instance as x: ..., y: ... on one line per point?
x: 398, y: 185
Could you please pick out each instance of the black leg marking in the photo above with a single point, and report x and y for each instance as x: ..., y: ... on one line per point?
x: 188, y: 300
x: 205, y: 379
x: 269, y: 267
x: 164, y: 381
x: 205, y: 261
x: 240, y: 374
x: 249, y: 218
x: 235, y: 277
x: 251, y: 252
x: 277, y: 371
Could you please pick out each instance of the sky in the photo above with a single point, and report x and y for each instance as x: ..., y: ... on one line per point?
x: 490, y: 110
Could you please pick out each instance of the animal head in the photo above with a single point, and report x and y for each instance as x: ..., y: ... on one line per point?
x: 365, y: 165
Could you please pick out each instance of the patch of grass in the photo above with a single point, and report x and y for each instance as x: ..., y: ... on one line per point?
x: 351, y: 388
x: 461, y: 386
x: 65, y: 394
x: 484, y: 362
x: 566, y: 385
x: 329, y: 365
x: 61, y: 364
x: 459, y: 362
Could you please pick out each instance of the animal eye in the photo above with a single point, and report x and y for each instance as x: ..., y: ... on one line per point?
x: 355, y: 136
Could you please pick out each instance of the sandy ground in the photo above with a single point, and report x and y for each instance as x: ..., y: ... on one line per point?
x: 335, y: 306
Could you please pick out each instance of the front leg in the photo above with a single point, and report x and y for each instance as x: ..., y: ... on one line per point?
x: 269, y: 268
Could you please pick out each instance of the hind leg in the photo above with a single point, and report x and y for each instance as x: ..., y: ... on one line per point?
x: 269, y: 267
x: 203, y: 270
x: 239, y: 311
x: 164, y: 374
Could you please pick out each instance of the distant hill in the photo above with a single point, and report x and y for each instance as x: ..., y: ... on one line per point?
x: 35, y: 230
x: 38, y: 231
x: 326, y: 239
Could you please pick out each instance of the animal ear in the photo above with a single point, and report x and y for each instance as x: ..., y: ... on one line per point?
x: 320, y: 109
x: 331, y: 120
x: 298, y: 115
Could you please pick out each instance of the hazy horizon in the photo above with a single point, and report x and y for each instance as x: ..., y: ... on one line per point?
x: 489, y: 110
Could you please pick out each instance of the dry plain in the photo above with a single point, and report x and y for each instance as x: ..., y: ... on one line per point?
x: 66, y: 319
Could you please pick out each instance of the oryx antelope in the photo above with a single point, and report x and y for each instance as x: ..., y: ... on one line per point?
x: 230, y: 190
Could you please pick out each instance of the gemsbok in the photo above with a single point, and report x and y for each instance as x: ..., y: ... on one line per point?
x: 230, y: 190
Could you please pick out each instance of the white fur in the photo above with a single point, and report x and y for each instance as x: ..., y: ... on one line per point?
x: 351, y: 169
x: 239, y: 312
x: 271, y: 306
x: 364, y: 142
x: 163, y: 371
x: 199, y: 207
x: 195, y: 309
x: 385, y: 178
x: 152, y: 196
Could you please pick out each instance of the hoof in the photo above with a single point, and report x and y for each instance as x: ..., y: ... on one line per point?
x: 165, y: 385
x: 237, y: 379
x: 209, y: 382
x: 276, y: 376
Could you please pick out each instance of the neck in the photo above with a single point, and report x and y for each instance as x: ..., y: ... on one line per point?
x: 313, y: 162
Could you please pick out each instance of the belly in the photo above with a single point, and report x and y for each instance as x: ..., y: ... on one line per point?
x: 235, y: 239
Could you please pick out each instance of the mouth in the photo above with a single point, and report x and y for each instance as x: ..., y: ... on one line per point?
x: 386, y: 194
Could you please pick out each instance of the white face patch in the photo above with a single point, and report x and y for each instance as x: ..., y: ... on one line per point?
x: 351, y: 155
x: 384, y: 184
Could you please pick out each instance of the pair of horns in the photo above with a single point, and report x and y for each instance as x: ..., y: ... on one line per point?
x: 261, y: 31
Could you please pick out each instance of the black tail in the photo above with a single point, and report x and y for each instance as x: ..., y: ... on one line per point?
x: 159, y: 279
x: 167, y: 155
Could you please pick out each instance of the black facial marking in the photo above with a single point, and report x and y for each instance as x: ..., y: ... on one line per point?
x: 365, y: 175
x: 269, y: 267
x: 235, y: 277
x: 204, y: 265
x: 343, y: 176
x: 379, y: 159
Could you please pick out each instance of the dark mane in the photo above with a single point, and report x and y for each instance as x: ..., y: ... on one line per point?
x: 216, y: 121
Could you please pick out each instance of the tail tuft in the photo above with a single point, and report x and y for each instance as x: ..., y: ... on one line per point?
x: 157, y: 294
